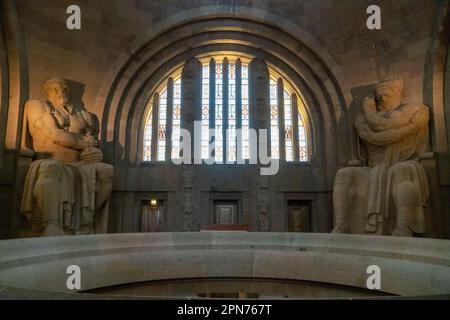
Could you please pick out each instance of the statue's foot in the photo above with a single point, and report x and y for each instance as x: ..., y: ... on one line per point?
x: 52, y: 229
x: 340, y: 228
x: 402, y: 231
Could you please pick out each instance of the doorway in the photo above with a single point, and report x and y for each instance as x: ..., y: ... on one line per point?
x: 299, y: 216
x: 152, y: 216
x: 226, y: 212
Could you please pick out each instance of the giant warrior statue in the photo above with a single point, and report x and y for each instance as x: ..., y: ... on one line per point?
x: 390, y: 196
x: 67, y: 187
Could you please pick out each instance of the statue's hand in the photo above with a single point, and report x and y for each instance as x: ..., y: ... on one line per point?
x: 88, y: 141
x: 369, y: 105
x: 91, y: 155
x: 95, y: 143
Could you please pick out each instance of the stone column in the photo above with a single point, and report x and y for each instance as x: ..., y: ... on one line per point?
x: 169, y: 119
x: 191, y: 89
x: 295, y: 113
x: 259, y: 95
x: 191, y: 94
x: 260, y: 119
x: 155, y: 118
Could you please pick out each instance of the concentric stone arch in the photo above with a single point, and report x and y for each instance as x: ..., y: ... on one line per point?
x: 154, y: 55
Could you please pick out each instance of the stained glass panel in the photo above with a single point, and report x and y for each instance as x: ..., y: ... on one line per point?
x: 274, y: 131
x: 288, y: 129
x: 245, y: 113
x: 302, y: 140
x: 232, y: 143
x: 176, y: 119
x: 148, y: 131
x: 162, y: 120
x: 205, y: 111
x: 219, y: 111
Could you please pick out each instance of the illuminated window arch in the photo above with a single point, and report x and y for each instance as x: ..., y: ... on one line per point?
x: 226, y: 111
x: 163, y: 123
x: 288, y: 131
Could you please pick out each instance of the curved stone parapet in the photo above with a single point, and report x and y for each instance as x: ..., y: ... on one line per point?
x: 37, y: 267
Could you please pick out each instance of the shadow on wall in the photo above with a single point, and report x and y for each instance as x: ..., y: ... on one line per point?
x: 358, y: 94
x: 76, y: 93
x: 77, y: 90
x: 113, y: 153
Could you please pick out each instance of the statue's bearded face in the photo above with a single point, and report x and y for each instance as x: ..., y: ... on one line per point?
x: 58, y: 94
x: 387, y: 99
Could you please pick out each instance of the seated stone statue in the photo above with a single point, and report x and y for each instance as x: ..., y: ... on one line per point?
x: 390, y: 195
x: 67, y: 187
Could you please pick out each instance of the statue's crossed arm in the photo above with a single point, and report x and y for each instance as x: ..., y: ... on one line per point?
x: 415, y: 119
x: 40, y: 117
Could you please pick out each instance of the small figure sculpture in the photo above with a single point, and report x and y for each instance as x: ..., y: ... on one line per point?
x: 67, y: 188
x: 188, y: 220
x: 394, y: 186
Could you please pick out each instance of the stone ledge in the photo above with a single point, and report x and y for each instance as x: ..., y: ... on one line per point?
x: 409, y: 266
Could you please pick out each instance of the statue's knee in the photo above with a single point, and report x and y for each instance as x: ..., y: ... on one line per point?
x: 405, y: 193
x: 105, y: 173
x: 401, y: 173
x: 50, y: 169
x: 344, y: 176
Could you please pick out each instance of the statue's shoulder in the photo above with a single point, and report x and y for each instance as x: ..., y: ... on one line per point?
x: 414, y: 107
x: 36, y: 109
x: 36, y: 106
x: 416, y: 112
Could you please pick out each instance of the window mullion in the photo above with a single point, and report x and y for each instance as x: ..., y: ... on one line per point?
x: 225, y: 110
x: 155, y: 120
x: 169, y: 119
x: 239, y: 145
x: 281, y: 124
x: 296, y: 150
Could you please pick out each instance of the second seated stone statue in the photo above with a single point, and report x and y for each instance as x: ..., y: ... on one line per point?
x: 67, y: 187
x: 394, y: 186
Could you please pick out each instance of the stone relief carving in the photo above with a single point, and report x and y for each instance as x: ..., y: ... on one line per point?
x: 67, y: 188
x: 261, y: 90
x: 188, y: 183
x: 263, y: 204
x: 391, y: 194
x: 190, y: 77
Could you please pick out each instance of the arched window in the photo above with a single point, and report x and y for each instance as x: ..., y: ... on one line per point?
x: 226, y: 115
x: 288, y: 130
x: 225, y: 108
x: 163, y: 123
